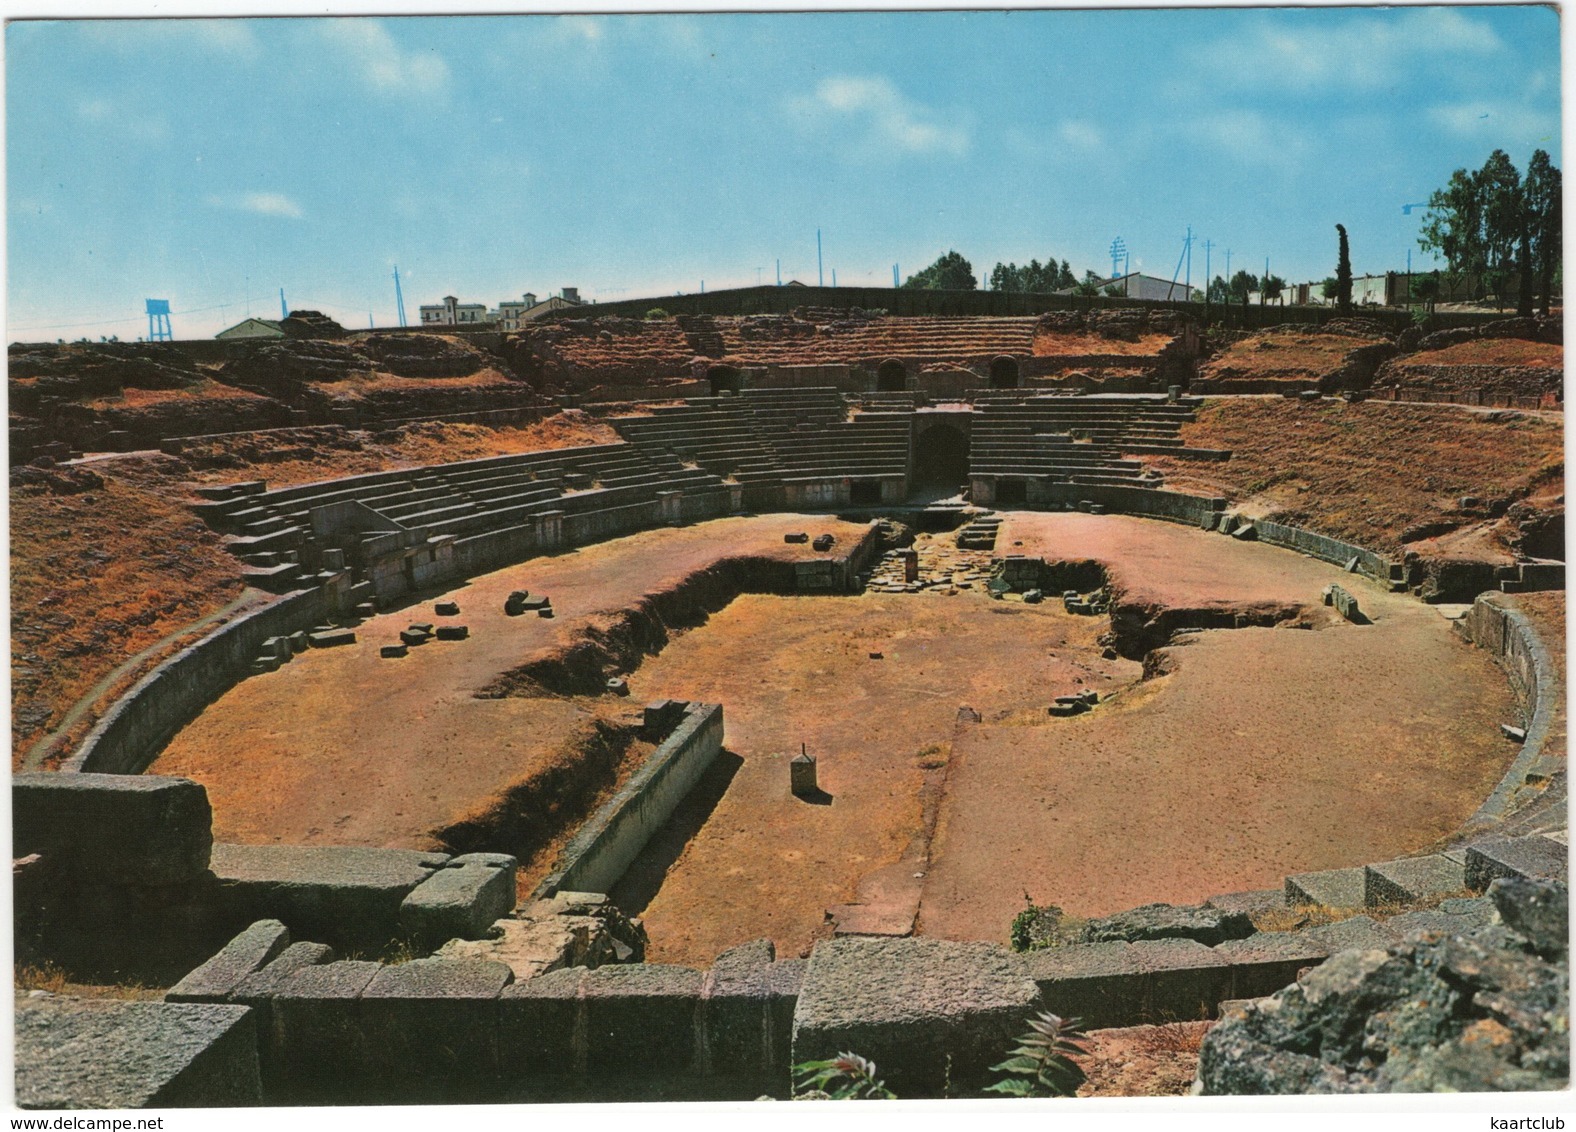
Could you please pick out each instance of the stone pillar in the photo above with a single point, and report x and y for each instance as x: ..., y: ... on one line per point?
x: 801, y: 776
x: 670, y: 507
x: 910, y: 565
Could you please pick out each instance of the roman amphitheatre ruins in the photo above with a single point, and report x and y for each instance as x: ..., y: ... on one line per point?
x: 639, y: 704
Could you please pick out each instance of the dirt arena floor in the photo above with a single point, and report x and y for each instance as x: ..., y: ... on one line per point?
x: 341, y: 747
x: 1259, y: 752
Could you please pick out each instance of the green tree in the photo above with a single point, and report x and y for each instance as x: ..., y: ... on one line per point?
x: 1242, y: 284
x: 1541, y: 196
x: 1425, y: 288
x: 1329, y: 288
x: 1492, y: 223
x: 1271, y: 288
x: 949, y: 273
x: 1033, y: 277
x: 1218, y: 291
x: 1343, y: 274
x: 1088, y: 286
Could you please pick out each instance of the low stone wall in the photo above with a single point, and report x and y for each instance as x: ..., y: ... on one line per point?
x: 1516, y: 647
x: 599, y: 854
x: 132, y: 732
x: 1322, y: 547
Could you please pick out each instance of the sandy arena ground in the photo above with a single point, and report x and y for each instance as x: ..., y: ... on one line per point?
x: 340, y: 747
x: 1262, y: 751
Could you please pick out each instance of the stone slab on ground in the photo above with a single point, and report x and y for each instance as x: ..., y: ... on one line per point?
x: 1355, y: 931
x: 1412, y: 879
x: 1208, y: 926
x: 529, y: 947
x: 106, y: 1053
x: 434, y: 1016
x: 135, y: 829
x: 345, y: 896
x: 246, y: 953
x: 1333, y: 888
x: 915, y: 1007
x: 460, y: 900
x: 1530, y: 858
x: 1255, y: 900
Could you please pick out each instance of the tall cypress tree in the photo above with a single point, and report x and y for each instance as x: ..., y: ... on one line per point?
x: 1343, y: 275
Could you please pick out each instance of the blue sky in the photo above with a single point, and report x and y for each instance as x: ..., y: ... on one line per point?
x: 212, y: 162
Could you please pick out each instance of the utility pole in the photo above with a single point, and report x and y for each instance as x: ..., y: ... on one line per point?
x: 894, y: 277
x: 779, y: 273
x: 1209, y: 280
x: 820, y: 277
x: 1187, y: 280
x: 399, y: 296
x: 284, y: 311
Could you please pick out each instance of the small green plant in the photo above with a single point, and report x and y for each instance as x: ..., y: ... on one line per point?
x: 846, y: 1077
x: 1043, y: 1065
x: 657, y: 312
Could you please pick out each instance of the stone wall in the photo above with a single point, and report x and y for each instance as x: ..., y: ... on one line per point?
x: 597, y: 857
x: 1510, y: 638
x: 132, y: 732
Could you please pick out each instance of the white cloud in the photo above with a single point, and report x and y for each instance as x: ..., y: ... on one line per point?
x: 586, y: 28
x: 1251, y: 138
x: 1082, y: 135
x: 381, y: 62
x: 891, y: 119
x: 262, y: 203
x: 1507, y: 122
x: 1305, y: 51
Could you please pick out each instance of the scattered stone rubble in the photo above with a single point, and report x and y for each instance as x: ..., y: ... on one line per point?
x: 1486, y: 1009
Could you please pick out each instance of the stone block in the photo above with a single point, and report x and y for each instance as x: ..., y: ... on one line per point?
x: 1412, y: 879
x: 217, y: 978
x: 801, y: 776
x: 316, y: 1030
x: 349, y: 897
x: 1185, y: 979
x: 75, y: 1053
x: 739, y: 1031
x: 538, y: 1023
x: 447, y: 609
x: 1267, y: 961
x: 255, y: 989
x: 434, y: 1016
x: 394, y: 652
x: 1537, y: 910
x: 461, y: 900
x: 453, y: 632
x: 331, y: 638
x: 641, y: 1019
x: 300, y: 641
x: 1356, y: 931
x: 923, y: 1010
x: 1531, y: 858
x: 1333, y: 888
x: 135, y: 829
x: 1256, y: 900
x: 414, y: 636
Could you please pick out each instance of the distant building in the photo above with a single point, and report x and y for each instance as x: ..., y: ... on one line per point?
x: 1135, y: 285
x: 253, y: 328
x: 508, y: 315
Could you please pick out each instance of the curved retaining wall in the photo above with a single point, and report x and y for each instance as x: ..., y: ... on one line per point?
x: 149, y: 714
x: 1517, y: 648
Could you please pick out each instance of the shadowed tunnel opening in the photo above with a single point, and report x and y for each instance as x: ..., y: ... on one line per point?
x: 941, y: 457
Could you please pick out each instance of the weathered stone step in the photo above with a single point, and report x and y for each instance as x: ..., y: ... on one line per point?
x: 1334, y: 888
x: 1412, y: 879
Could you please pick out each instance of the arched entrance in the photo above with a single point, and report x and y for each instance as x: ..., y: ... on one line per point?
x: 724, y: 378
x: 941, y: 458
x: 891, y: 377
x: 1004, y: 372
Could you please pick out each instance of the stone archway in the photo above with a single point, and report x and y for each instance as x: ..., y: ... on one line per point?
x: 891, y: 376
x: 1004, y: 372
x: 724, y: 379
x: 941, y: 457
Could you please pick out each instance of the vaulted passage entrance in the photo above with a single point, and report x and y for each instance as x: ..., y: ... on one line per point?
x: 941, y: 457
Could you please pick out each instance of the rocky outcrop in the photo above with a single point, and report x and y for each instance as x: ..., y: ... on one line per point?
x: 1483, y: 1011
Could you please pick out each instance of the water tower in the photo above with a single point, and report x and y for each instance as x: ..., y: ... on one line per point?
x: 159, y: 320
